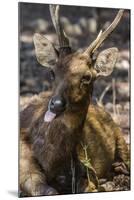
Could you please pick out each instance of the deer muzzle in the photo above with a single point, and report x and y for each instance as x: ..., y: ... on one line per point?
x: 56, y: 106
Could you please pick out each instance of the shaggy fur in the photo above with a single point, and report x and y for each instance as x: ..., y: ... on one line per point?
x: 48, y: 149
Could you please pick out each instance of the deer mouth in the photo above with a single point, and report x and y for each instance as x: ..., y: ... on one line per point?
x: 49, y: 116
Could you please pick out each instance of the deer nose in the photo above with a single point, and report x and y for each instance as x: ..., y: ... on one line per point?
x: 57, y: 104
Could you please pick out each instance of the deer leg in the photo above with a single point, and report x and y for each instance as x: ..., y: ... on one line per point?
x: 121, y: 164
x: 32, y: 179
x: 120, y: 167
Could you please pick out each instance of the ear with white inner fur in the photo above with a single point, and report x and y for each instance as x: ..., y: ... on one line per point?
x: 45, y: 51
x: 105, y: 61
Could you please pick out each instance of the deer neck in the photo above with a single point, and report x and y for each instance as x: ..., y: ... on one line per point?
x: 75, y: 115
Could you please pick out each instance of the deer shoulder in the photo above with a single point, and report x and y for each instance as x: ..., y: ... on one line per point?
x: 31, y: 108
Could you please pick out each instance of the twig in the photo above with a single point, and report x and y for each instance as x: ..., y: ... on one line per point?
x: 114, y: 97
x: 99, y: 102
x: 87, y: 161
x: 89, y: 167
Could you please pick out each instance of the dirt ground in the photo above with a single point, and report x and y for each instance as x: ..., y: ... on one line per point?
x: 81, y: 24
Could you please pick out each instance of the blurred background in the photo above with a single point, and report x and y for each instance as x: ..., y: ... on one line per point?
x: 82, y: 25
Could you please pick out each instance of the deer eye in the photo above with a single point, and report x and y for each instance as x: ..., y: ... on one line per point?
x: 86, y: 79
x: 52, y: 75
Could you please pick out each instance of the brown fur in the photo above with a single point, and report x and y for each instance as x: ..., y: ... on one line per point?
x: 47, y: 149
x: 51, y: 146
x: 104, y: 140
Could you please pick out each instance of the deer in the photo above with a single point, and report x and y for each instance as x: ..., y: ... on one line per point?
x: 55, y: 125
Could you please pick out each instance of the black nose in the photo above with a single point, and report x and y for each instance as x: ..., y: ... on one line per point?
x: 57, y: 104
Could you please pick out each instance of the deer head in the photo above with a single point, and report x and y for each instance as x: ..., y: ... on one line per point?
x: 73, y: 73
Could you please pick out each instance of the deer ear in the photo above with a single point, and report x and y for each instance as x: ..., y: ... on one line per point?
x: 105, y: 61
x: 45, y: 52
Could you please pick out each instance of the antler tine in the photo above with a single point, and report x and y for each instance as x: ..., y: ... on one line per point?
x: 103, y: 35
x: 63, y: 40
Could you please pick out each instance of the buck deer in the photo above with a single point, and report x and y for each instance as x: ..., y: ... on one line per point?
x: 55, y: 124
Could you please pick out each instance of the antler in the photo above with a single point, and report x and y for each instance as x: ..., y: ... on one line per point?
x: 103, y: 35
x: 63, y: 40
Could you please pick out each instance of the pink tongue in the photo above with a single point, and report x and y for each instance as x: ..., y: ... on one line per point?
x: 49, y: 116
